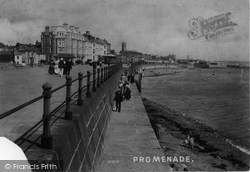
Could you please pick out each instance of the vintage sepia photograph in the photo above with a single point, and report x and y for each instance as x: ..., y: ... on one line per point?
x: 124, y: 85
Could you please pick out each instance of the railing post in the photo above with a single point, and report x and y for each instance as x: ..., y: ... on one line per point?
x: 80, y: 100
x: 94, y: 80
x: 139, y: 84
x: 88, y: 94
x: 68, y: 113
x: 98, y: 77
x: 108, y: 68
x: 46, y: 139
x: 105, y: 74
x: 101, y: 75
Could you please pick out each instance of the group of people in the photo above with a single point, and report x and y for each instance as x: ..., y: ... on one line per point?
x: 123, y: 92
x: 60, y: 67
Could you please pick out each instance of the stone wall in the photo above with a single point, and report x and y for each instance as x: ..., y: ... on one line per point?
x: 77, y: 143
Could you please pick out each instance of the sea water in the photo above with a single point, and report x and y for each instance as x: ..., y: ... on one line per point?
x: 218, y: 98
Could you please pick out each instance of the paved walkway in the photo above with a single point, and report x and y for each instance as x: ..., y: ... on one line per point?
x: 130, y: 143
x: 22, y: 85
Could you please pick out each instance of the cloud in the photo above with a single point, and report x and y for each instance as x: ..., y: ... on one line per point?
x: 24, y: 32
x: 158, y: 27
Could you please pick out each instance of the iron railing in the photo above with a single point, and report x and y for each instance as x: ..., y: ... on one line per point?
x: 99, y: 76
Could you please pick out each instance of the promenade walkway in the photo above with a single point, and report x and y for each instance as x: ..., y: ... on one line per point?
x: 130, y: 143
x: 22, y: 85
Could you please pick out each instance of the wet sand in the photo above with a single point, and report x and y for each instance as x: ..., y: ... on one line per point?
x: 211, y: 151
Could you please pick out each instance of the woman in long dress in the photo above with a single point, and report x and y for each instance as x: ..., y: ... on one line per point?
x: 56, y: 68
x: 127, y: 92
x: 51, y: 67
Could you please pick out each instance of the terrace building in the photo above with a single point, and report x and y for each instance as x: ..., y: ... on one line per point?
x: 66, y: 39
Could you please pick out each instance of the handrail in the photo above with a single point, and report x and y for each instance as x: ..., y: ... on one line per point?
x: 5, y: 114
x: 99, y: 76
x: 58, y: 88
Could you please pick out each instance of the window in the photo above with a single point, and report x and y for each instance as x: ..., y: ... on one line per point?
x: 60, y: 34
x: 93, y: 51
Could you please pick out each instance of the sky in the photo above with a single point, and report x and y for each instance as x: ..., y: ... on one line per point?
x: 148, y: 26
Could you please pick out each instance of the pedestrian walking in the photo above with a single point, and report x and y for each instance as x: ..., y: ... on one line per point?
x: 61, y: 67
x: 127, y: 92
x: 68, y: 67
x: 132, y: 79
x: 118, y: 99
x: 123, y: 79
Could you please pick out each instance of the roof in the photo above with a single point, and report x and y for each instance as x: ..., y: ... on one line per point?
x: 2, y: 45
x: 17, y: 52
x: 106, y: 42
x: 110, y: 55
x: 6, y: 52
x: 23, y: 47
x: 56, y: 29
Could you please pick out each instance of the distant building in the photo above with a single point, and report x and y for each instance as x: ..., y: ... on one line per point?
x: 6, y: 57
x: 6, y: 54
x: 28, y: 55
x: 66, y: 39
x: 108, y: 46
x: 124, y: 46
x: 18, y: 59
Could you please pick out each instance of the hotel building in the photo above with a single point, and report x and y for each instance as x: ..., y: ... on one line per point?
x: 65, y: 39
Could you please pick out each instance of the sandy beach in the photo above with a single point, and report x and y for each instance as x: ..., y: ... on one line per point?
x: 211, y: 152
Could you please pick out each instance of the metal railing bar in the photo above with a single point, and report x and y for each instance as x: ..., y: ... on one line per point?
x: 108, y: 72
x: 36, y: 125
x: 5, y: 114
x: 75, y: 80
x: 33, y: 142
x: 58, y: 88
x: 58, y: 108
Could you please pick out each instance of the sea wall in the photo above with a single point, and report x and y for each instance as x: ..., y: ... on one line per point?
x: 77, y: 143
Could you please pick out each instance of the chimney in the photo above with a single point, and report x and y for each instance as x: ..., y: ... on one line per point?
x: 71, y: 27
x: 65, y: 25
x: 47, y: 30
x: 77, y: 29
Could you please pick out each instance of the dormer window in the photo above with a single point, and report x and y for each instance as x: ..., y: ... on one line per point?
x: 60, y: 33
